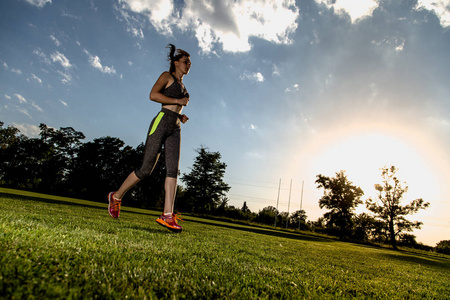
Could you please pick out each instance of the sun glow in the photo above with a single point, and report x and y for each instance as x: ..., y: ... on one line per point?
x: 362, y: 153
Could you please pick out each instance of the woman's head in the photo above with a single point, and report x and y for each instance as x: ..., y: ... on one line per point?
x: 175, y: 55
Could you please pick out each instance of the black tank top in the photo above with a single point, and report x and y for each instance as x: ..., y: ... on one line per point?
x: 175, y: 90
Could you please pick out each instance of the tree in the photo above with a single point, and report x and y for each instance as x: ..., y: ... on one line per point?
x: 266, y: 215
x: 205, y: 187
x: 97, y: 168
x: 24, y: 163
x: 62, y: 147
x: 245, y: 208
x: 8, y: 136
x: 388, y: 208
x: 298, y: 219
x: 366, y: 227
x: 443, y: 247
x: 342, y: 197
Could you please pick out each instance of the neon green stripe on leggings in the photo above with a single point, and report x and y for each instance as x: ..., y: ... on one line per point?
x: 155, y: 125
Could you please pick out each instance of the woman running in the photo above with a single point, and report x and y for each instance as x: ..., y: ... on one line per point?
x: 170, y: 91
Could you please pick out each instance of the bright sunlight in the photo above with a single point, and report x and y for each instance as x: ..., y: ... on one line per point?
x: 362, y: 153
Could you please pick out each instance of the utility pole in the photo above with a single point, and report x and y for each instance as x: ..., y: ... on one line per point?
x: 289, y: 204
x: 301, y: 202
x: 278, y: 200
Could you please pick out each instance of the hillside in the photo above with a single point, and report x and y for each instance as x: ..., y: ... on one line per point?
x: 55, y: 247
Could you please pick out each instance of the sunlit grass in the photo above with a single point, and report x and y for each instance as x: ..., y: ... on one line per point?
x: 54, y: 247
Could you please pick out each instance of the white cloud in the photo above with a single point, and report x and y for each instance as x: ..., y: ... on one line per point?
x: 55, y: 40
x: 35, y: 78
x: 25, y: 112
x: 137, y: 32
x: 227, y: 22
x: 133, y: 23
x: 64, y: 13
x: 61, y: 58
x: 256, y: 76
x: 158, y: 12
x: 362, y: 8
x: 290, y: 89
x: 96, y: 63
x: 7, y: 97
x: 37, y: 107
x: 14, y: 70
x: 66, y: 77
x: 56, y: 57
x: 39, y: 3
x: 41, y: 55
x: 355, y: 9
x: 21, y: 98
x: 17, y: 71
x: 31, y: 131
x: 275, y: 70
x: 440, y: 7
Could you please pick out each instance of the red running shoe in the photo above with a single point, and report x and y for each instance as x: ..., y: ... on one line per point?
x: 114, y: 205
x: 170, y: 222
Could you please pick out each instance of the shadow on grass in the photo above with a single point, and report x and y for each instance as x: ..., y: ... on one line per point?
x: 421, y: 259
x: 46, y: 200
x: 270, y: 232
x: 95, y: 205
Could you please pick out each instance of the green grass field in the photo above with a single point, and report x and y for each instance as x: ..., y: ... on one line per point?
x: 55, y: 247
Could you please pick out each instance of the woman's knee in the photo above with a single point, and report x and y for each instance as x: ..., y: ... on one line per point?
x: 142, y: 172
x: 172, y: 173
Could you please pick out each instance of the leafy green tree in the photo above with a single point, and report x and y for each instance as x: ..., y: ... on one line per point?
x: 8, y: 136
x: 443, y: 247
x: 298, y: 220
x: 388, y: 208
x: 366, y: 227
x: 266, y: 215
x: 61, y: 148
x: 282, y: 218
x: 341, y: 197
x: 406, y: 239
x: 204, y: 184
x: 24, y: 163
x: 98, y: 168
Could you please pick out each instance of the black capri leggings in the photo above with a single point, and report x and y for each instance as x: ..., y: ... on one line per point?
x: 164, y: 130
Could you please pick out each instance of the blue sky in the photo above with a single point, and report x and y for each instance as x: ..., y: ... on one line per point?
x: 282, y: 89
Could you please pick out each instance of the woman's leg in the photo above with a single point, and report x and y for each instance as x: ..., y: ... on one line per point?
x: 172, y: 153
x: 153, y: 144
x: 131, y: 181
x: 170, y: 187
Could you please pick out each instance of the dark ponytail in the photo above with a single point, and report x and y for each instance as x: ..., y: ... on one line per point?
x: 172, y: 58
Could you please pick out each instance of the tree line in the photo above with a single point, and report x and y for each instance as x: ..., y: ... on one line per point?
x: 59, y: 162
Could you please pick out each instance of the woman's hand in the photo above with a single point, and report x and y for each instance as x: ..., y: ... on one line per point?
x: 183, y: 119
x: 183, y: 101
